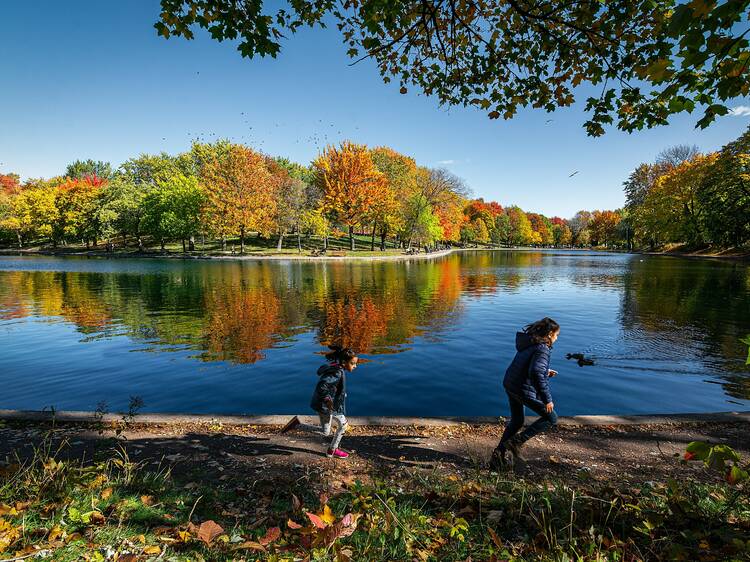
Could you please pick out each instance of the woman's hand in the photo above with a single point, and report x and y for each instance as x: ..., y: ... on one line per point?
x: 551, y: 372
x: 549, y: 407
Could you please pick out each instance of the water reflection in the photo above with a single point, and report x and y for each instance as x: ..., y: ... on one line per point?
x: 652, y: 323
x: 236, y: 311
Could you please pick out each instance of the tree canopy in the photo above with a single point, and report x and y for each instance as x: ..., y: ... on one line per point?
x: 641, y: 60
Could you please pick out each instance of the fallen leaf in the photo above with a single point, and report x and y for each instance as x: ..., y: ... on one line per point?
x: 208, y: 531
x: 327, y: 515
x: 554, y: 460
x: 271, y: 535
x: 106, y: 493
x: 154, y: 549
x: 249, y: 545
x: 147, y: 500
x: 495, y: 538
x: 292, y: 525
x: 296, y: 503
x: 54, y: 533
x: 97, y: 518
x: 127, y: 558
x: 5, y: 509
x: 317, y: 521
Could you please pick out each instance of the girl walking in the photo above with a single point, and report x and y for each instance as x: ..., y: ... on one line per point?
x: 329, y: 397
x: 526, y: 383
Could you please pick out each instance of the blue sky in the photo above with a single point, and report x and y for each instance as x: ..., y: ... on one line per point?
x: 86, y: 79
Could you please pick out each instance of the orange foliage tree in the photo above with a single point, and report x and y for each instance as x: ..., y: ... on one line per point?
x: 603, y: 227
x: 350, y: 182
x: 241, y: 192
x: 77, y: 202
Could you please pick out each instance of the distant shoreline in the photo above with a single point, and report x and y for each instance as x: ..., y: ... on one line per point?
x: 348, y: 255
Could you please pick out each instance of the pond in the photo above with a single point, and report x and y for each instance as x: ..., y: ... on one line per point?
x: 245, y: 337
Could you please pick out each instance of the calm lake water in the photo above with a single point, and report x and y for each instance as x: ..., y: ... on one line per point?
x: 436, y: 336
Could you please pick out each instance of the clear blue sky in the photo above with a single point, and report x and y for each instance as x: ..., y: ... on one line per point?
x: 91, y: 79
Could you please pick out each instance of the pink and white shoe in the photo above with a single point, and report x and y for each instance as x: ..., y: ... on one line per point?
x: 336, y: 454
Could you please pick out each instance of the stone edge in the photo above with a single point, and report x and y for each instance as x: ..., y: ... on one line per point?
x: 372, y: 421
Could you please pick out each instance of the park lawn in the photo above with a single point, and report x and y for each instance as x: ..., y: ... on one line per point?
x: 254, y: 245
x: 113, y: 507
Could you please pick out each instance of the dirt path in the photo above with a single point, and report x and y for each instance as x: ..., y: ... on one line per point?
x: 632, y: 453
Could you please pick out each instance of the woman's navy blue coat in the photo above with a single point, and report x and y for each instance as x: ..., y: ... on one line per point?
x: 528, y: 374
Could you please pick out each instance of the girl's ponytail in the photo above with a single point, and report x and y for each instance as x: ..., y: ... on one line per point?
x: 340, y: 354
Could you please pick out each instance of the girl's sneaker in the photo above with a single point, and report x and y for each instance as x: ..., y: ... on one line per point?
x: 336, y: 454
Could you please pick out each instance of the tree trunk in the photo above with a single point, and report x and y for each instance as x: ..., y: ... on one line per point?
x: 161, y: 241
x: 191, y: 243
x: 382, y: 241
x: 299, y: 242
x: 325, y: 243
x: 280, y: 243
x: 372, y: 241
x: 20, y: 240
x: 140, y: 243
x: 184, y: 248
x: 223, y: 243
x: 351, y: 238
x: 242, y: 240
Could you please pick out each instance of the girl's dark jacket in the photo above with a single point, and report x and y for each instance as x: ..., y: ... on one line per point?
x: 331, y: 384
x: 527, y: 375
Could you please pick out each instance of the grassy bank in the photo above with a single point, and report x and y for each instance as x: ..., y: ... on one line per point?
x: 111, y: 505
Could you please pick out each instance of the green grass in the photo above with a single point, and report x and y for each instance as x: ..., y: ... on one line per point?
x: 253, y: 245
x: 76, y: 511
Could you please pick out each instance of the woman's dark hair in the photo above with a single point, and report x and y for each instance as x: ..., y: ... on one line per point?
x: 541, y: 330
x: 340, y: 354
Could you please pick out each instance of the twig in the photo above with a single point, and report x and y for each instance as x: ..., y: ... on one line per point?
x: 194, y: 506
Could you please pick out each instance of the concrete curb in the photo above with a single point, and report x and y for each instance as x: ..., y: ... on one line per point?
x: 372, y: 421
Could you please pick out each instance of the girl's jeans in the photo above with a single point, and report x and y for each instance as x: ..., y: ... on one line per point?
x: 326, y: 421
x: 517, y: 403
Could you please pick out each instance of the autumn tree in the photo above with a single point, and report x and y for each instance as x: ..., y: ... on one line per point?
x: 542, y: 227
x: 579, y: 228
x: 387, y: 214
x: 520, y: 232
x: 350, y: 182
x: 603, y: 227
x: 77, y: 202
x: 241, y: 190
x: 673, y: 200
x: 291, y: 199
x: 724, y: 195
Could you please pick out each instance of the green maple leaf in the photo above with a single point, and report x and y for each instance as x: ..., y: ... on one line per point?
x: 746, y: 341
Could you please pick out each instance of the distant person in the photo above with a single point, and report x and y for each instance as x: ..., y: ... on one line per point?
x: 329, y: 397
x: 526, y: 383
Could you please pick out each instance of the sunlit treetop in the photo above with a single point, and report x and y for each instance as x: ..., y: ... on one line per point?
x: 644, y: 60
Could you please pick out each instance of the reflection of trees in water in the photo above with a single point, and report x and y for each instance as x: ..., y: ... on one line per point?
x: 241, y: 324
x: 684, y: 300
x: 234, y: 311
